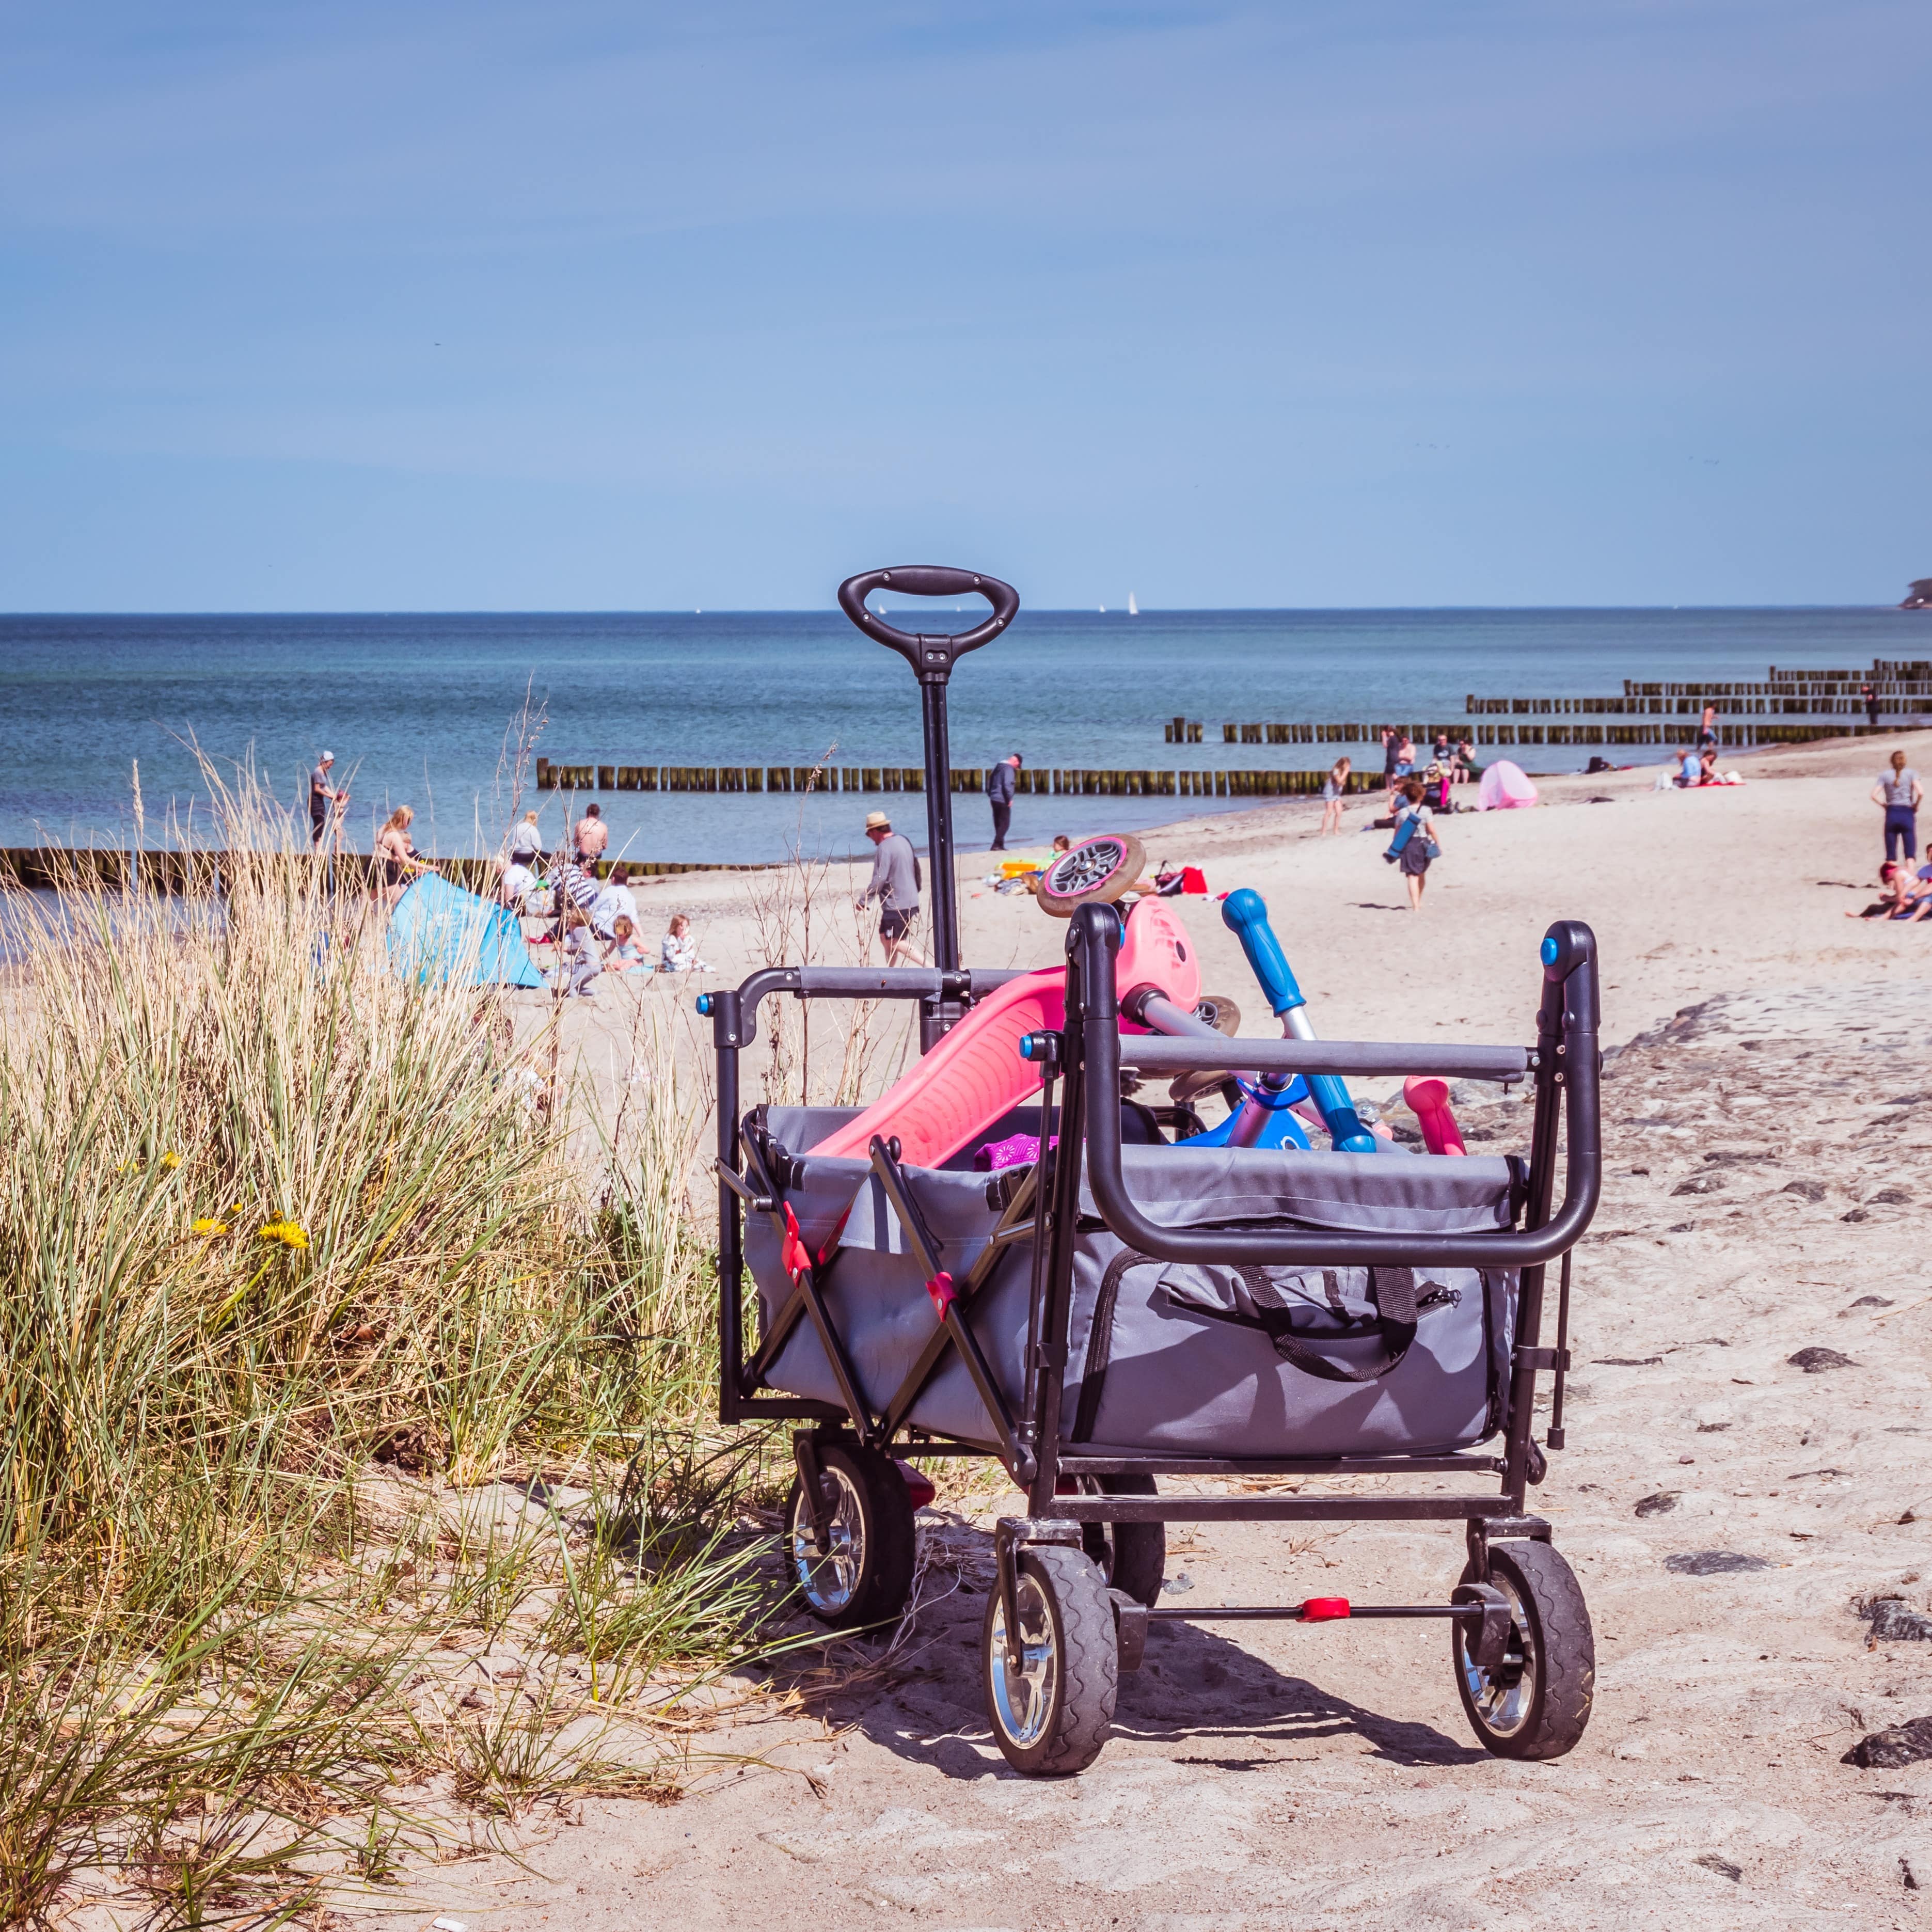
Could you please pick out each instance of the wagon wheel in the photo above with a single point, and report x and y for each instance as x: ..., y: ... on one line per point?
x: 1051, y: 1694
x: 1133, y: 1556
x: 1101, y: 869
x: 1536, y: 1702
x: 865, y: 1575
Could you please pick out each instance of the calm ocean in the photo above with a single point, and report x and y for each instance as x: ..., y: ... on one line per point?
x: 416, y: 707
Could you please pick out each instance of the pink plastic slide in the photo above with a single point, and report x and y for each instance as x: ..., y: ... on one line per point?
x: 975, y: 1074
x: 1429, y: 1101
x: 1504, y: 787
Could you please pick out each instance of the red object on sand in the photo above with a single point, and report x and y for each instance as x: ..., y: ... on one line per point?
x: 1193, y: 879
x: 1324, y: 1609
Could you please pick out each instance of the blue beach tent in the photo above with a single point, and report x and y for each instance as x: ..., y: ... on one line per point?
x: 438, y: 931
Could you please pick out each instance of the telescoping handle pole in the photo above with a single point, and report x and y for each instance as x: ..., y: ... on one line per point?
x: 932, y: 656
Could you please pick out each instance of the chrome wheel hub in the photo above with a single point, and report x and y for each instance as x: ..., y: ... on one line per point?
x: 830, y: 1580
x: 1025, y: 1676
x: 1505, y: 1697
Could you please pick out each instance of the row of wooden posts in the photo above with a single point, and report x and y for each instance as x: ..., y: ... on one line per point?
x: 1041, y: 781
x: 1480, y: 732
x: 69, y: 868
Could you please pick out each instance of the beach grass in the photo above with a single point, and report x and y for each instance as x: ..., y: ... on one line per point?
x: 301, y: 1258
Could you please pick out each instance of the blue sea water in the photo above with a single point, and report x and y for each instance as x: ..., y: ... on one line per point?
x: 416, y: 708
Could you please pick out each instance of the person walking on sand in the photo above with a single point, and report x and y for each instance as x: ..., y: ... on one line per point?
x: 1334, y: 791
x: 894, y: 884
x: 1422, y: 850
x: 325, y: 802
x: 1898, y: 790
x: 1707, y: 729
x: 591, y: 835
x: 1002, y: 781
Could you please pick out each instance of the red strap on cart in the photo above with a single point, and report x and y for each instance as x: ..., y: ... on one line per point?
x: 941, y: 1290
x: 793, y: 1253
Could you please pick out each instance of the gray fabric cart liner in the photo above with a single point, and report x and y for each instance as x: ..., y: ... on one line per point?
x: 1179, y: 1367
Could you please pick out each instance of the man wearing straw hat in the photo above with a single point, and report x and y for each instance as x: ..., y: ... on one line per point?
x: 894, y: 884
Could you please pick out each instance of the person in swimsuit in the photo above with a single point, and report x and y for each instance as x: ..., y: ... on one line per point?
x: 401, y: 861
x: 1334, y: 791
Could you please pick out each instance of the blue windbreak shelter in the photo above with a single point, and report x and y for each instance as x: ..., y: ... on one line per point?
x: 438, y: 931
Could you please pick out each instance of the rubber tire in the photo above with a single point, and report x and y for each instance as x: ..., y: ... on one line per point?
x: 1088, y: 1646
x: 1131, y: 1556
x: 887, y: 1536
x: 1565, y: 1647
x: 1116, y: 884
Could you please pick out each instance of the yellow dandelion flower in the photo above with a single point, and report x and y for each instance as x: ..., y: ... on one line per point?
x: 171, y: 1161
x: 209, y: 1227
x: 287, y: 1232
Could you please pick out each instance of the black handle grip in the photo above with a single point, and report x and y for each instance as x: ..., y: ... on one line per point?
x: 932, y: 655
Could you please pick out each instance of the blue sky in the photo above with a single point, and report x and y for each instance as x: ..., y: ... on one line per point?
x: 591, y: 305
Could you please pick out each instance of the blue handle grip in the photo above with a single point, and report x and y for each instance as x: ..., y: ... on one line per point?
x: 1245, y: 914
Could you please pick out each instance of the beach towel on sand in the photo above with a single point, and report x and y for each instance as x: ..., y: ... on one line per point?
x: 438, y: 931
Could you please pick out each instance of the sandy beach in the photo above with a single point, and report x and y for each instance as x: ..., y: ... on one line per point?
x: 1727, y: 1509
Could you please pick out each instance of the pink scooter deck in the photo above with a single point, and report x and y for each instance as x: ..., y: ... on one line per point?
x: 975, y: 1074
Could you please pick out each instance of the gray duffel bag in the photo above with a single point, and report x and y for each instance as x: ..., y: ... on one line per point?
x: 1174, y: 1358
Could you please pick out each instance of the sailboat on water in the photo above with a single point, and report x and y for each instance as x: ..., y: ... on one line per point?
x: 1133, y: 609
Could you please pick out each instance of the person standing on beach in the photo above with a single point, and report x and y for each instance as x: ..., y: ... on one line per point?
x: 894, y: 884
x: 1871, y: 697
x: 401, y: 861
x: 1898, y: 790
x: 1333, y: 793
x: 325, y: 802
x: 1707, y: 729
x: 1002, y: 781
x: 591, y: 836
x: 1391, y: 754
x: 526, y: 841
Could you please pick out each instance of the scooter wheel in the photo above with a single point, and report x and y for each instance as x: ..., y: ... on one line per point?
x: 864, y: 1575
x: 1100, y: 869
x: 1050, y: 1686
x: 1219, y: 1011
x: 1536, y: 1702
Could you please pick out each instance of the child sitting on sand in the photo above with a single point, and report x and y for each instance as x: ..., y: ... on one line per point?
x: 679, y: 952
x: 625, y: 952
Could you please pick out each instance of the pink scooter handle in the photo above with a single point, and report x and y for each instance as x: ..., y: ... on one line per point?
x: 1428, y: 1101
